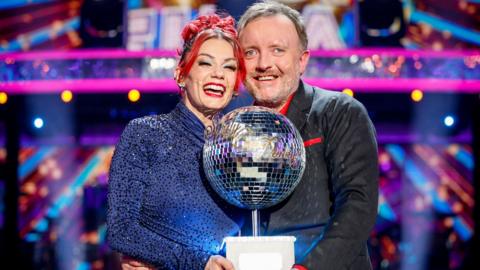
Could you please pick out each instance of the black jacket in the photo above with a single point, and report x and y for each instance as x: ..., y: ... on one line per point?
x: 334, y: 208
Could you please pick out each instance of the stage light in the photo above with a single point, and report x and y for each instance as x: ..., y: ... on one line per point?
x: 162, y: 63
x: 417, y: 65
x: 353, y: 59
x: 368, y: 65
x: 416, y: 95
x: 348, y: 91
x: 3, y: 98
x: 449, y: 121
x: 38, y: 122
x: 66, y: 96
x: 133, y: 95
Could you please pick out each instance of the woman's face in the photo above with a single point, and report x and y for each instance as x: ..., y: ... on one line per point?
x: 209, y: 84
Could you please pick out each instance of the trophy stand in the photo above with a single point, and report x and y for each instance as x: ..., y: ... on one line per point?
x: 260, y: 252
x: 255, y: 223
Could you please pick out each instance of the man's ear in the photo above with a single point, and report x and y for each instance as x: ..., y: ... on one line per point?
x: 304, y: 57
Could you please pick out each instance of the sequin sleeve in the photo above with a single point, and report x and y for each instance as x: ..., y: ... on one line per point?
x: 129, y: 175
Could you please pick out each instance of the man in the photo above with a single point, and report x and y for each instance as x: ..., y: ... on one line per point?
x: 334, y: 208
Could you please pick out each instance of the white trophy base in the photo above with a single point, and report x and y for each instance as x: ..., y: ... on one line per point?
x: 261, y: 253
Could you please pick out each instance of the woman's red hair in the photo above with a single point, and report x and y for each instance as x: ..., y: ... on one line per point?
x: 202, y: 29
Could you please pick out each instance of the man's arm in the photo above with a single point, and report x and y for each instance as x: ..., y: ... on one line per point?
x: 352, y: 162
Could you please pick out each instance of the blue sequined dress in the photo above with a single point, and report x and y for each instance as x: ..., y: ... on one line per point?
x: 161, y: 210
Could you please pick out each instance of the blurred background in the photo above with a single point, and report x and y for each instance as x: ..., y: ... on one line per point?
x: 73, y: 73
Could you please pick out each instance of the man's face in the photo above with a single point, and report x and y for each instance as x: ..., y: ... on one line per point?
x: 274, y: 59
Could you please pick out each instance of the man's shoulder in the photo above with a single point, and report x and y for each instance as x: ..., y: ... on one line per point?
x: 328, y: 99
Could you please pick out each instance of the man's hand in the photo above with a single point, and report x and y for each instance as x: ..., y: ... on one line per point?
x: 129, y: 263
x: 217, y: 262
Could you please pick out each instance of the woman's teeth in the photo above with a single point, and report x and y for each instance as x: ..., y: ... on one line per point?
x: 214, y: 90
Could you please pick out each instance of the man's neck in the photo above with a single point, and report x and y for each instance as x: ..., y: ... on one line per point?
x: 269, y: 105
x: 281, y: 107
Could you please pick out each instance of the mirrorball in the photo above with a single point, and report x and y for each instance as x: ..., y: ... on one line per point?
x: 253, y: 157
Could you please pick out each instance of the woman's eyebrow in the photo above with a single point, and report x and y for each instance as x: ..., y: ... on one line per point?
x: 212, y: 57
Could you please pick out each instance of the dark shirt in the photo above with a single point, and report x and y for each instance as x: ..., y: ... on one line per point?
x: 161, y: 209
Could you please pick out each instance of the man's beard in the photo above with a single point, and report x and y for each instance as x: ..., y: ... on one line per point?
x: 277, y: 102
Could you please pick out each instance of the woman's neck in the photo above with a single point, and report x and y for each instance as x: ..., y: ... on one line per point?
x: 206, y: 120
x: 204, y: 117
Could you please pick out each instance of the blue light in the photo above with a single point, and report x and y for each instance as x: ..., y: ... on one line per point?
x: 5, y: 4
x: 38, y: 122
x: 449, y: 121
x: 132, y: 4
x: 32, y: 237
x: 42, y: 225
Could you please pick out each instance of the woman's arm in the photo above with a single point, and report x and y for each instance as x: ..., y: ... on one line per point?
x: 129, y: 175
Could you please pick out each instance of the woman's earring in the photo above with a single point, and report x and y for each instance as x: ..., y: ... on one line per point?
x: 181, y: 85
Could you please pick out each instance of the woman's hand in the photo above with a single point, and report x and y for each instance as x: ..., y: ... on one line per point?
x: 217, y: 262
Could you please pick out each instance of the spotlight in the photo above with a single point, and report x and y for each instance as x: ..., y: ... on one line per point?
x: 3, y: 98
x: 133, y: 95
x: 348, y: 91
x: 66, y: 96
x: 449, y: 121
x: 416, y: 95
x: 38, y: 122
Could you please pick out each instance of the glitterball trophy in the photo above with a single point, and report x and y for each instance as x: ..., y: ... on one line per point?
x: 254, y: 157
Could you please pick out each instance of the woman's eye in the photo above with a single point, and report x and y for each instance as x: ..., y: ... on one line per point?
x: 232, y: 68
x: 203, y: 63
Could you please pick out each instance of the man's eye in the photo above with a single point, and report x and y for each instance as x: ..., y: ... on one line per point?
x: 278, y: 50
x: 250, y: 53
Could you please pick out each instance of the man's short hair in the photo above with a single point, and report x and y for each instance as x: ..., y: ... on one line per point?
x: 272, y: 8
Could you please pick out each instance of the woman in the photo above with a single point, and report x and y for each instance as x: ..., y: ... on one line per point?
x: 161, y: 211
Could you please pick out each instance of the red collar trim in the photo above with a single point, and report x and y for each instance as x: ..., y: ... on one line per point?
x: 285, y: 107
